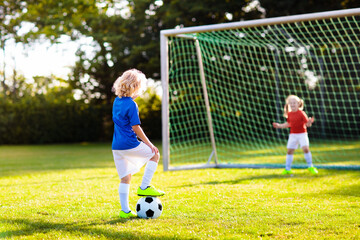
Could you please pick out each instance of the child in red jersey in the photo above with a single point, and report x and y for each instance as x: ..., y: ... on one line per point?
x: 297, y: 121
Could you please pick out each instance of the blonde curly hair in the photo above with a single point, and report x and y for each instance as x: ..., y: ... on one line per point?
x: 129, y: 83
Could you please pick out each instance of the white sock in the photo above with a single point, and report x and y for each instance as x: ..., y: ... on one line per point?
x: 289, y: 159
x: 124, y: 189
x: 148, y: 174
x: 308, y: 159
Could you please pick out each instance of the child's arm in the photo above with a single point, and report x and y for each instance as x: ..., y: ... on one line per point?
x: 281, y: 125
x: 140, y: 133
x: 310, y: 121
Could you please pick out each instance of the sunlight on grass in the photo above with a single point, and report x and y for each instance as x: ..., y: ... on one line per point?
x: 324, y: 153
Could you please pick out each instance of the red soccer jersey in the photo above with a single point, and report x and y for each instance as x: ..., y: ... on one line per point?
x: 297, y: 121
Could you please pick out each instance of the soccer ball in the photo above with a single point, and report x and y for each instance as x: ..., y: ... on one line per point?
x: 149, y: 207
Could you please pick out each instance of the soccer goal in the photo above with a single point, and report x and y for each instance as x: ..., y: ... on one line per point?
x: 224, y: 85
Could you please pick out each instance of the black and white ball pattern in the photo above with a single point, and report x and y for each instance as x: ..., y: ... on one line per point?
x: 149, y: 207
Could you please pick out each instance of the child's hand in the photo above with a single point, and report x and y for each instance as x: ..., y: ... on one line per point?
x: 275, y: 125
x: 310, y: 122
x: 153, y: 148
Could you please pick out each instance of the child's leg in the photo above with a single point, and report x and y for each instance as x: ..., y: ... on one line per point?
x: 289, y: 158
x: 307, y: 155
x: 124, y: 188
x: 308, y: 159
x: 149, y: 171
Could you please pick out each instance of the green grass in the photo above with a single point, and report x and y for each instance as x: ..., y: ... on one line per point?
x: 70, y: 192
x: 325, y: 153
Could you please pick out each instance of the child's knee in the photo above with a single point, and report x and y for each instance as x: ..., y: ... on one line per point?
x: 306, y: 149
x: 156, y: 157
x: 126, y: 179
x: 290, y: 151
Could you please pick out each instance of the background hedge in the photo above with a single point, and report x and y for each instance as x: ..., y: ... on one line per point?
x: 37, y: 121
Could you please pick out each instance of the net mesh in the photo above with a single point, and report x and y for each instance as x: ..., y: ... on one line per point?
x: 249, y: 72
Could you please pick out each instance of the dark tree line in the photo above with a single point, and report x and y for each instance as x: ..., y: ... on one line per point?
x: 125, y: 34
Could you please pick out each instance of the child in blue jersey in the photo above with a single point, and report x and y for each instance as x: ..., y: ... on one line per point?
x: 129, y: 153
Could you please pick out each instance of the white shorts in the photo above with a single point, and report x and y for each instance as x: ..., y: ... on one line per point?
x: 296, y: 139
x: 130, y: 161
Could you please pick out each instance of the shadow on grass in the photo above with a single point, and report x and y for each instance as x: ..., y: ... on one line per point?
x: 60, y: 181
x: 296, y: 175
x: 234, y: 181
x: 76, y: 229
x: 351, y: 191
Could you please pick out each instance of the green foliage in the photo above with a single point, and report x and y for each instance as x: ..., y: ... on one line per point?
x: 70, y: 192
x: 46, y: 112
x: 122, y: 41
x: 37, y: 120
x: 293, y: 7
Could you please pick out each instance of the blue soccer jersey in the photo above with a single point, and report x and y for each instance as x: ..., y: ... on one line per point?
x: 125, y: 114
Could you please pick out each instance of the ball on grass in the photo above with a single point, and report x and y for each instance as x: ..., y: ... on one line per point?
x: 149, y: 207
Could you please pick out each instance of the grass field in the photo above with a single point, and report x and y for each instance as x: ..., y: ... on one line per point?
x: 70, y: 192
x: 325, y: 153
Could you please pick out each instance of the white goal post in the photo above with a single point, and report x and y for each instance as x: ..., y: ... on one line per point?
x: 213, y: 145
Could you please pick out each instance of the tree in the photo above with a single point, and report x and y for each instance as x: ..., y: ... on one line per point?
x: 9, y: 24
x: 134, y: 40
x: 293, y: 7
x: 126, y: 34
x: 121, y: 41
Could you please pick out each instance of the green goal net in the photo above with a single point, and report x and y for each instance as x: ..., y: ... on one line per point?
x: 225, y: 84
